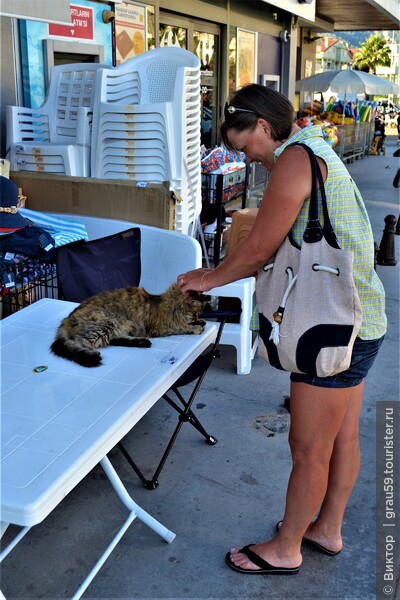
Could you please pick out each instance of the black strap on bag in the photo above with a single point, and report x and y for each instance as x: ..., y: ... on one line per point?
x: 314, y: 232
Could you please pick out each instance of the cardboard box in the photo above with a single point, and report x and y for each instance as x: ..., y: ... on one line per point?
x: 147, y: 204
x: 242, y: 224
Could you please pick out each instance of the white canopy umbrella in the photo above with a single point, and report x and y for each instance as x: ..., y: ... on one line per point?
x: 347, y: 82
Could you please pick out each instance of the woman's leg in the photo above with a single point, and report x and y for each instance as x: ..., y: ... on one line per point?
x: 317, y: 415
x: 343, y: 470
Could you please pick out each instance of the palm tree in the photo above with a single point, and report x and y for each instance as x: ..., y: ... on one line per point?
x: 374, y: 52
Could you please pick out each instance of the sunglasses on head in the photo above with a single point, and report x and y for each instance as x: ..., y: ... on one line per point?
x: 229, y: 109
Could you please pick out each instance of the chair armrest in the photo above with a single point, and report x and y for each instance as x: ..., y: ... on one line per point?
x: 84, y: 126
x: 235, y: 289
x: 26, y: 124
x: 243, y: 289
x: 239, y: 334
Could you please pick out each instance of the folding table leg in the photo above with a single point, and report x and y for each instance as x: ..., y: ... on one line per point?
x: 10, y: 545
x: 13, y: 542
x: 135, y: 511
x: 144, y: 516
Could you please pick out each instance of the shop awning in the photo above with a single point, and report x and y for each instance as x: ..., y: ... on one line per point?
x: 50, y: 11
x: 360, y: 14
x: 302, y: 8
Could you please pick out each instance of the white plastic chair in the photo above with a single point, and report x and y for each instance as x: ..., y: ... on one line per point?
x: 149, y: 78
x: 240, y: 334
x: 159, y: 87
x: 136, y: 141
x: 55, y: 138
x: 166, y: 254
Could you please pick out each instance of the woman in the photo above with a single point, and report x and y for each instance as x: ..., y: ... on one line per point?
x: 324, y: 411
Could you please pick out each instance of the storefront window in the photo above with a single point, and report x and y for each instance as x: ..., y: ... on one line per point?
x: 232, y: 59
x: 151, y: 29
x: 246, y: 57
x: 173, y: 36
x: 205, y: 46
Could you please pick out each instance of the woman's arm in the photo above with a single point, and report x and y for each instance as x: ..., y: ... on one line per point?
x: 288, y: 187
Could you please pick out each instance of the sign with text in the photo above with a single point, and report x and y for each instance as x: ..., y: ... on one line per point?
x: 130, y: 31
x: 81, y: 27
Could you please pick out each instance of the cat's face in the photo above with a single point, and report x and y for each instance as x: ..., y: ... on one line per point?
x: 197, y: 303
x: 189, y: 306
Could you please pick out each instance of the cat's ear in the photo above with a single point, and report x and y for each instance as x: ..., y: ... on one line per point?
x: 200, y: 297
x: 194, y: 296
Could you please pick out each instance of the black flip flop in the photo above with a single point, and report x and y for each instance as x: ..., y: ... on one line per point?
x: 265, y: 568
x: 312, y: 544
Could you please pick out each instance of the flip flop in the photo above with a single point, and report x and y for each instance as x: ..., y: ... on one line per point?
x: 312, y: 544
x: 265, y: 568
x: 322, y: 549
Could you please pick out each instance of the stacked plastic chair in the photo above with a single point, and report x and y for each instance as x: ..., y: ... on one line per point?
x: 146, y: 126
x: 56, y: 137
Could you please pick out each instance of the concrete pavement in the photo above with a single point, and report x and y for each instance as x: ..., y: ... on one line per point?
x: 215, y: 497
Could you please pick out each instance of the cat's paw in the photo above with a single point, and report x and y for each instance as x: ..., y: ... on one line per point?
x: 131, y: 342
x: 198, y: 322
x: 197, y: 330
x: 143, y: 343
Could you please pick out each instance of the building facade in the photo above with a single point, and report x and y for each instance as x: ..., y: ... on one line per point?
x: 237, y: 42
x: 332, y: 55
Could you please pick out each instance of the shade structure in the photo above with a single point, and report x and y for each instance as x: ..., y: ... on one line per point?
x: 347, y: 82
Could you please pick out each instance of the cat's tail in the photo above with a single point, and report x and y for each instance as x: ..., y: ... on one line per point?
x: 70, y: 350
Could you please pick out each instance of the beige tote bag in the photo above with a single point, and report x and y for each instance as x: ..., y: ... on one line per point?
x: 309, y: 308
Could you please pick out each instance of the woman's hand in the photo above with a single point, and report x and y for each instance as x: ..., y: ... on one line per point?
x: 194, y: 280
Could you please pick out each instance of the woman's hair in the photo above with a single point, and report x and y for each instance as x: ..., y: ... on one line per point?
x: 253, y: 102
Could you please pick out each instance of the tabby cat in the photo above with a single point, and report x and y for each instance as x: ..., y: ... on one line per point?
x: 126, y: 317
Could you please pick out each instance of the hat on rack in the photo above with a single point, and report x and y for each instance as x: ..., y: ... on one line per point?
x: 10, y: 219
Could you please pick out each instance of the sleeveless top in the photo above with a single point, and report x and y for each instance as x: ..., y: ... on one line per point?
x: 351, y: 224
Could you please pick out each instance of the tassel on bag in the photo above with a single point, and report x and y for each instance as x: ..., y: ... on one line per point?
x: 278, y: 314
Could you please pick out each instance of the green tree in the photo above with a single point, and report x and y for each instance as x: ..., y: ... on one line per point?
x: 374, y: 52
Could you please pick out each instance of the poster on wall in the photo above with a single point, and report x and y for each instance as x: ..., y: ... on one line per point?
x: 130, y: 31
x: 246, y: 57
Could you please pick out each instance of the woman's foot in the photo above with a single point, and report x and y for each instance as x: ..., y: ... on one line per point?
x: 315, y: 537
x: 275, y: 561
x: 330, y: 544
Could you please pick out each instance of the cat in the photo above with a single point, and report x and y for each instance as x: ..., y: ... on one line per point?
x: 126, y: 317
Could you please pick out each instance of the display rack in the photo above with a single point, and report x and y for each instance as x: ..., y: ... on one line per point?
x: 219, y: 189
x: 24, y: 282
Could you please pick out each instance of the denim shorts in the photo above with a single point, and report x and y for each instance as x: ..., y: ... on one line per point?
x: 362, y: 359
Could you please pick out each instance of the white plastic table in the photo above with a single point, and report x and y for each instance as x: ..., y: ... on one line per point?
x: 58, y: 419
